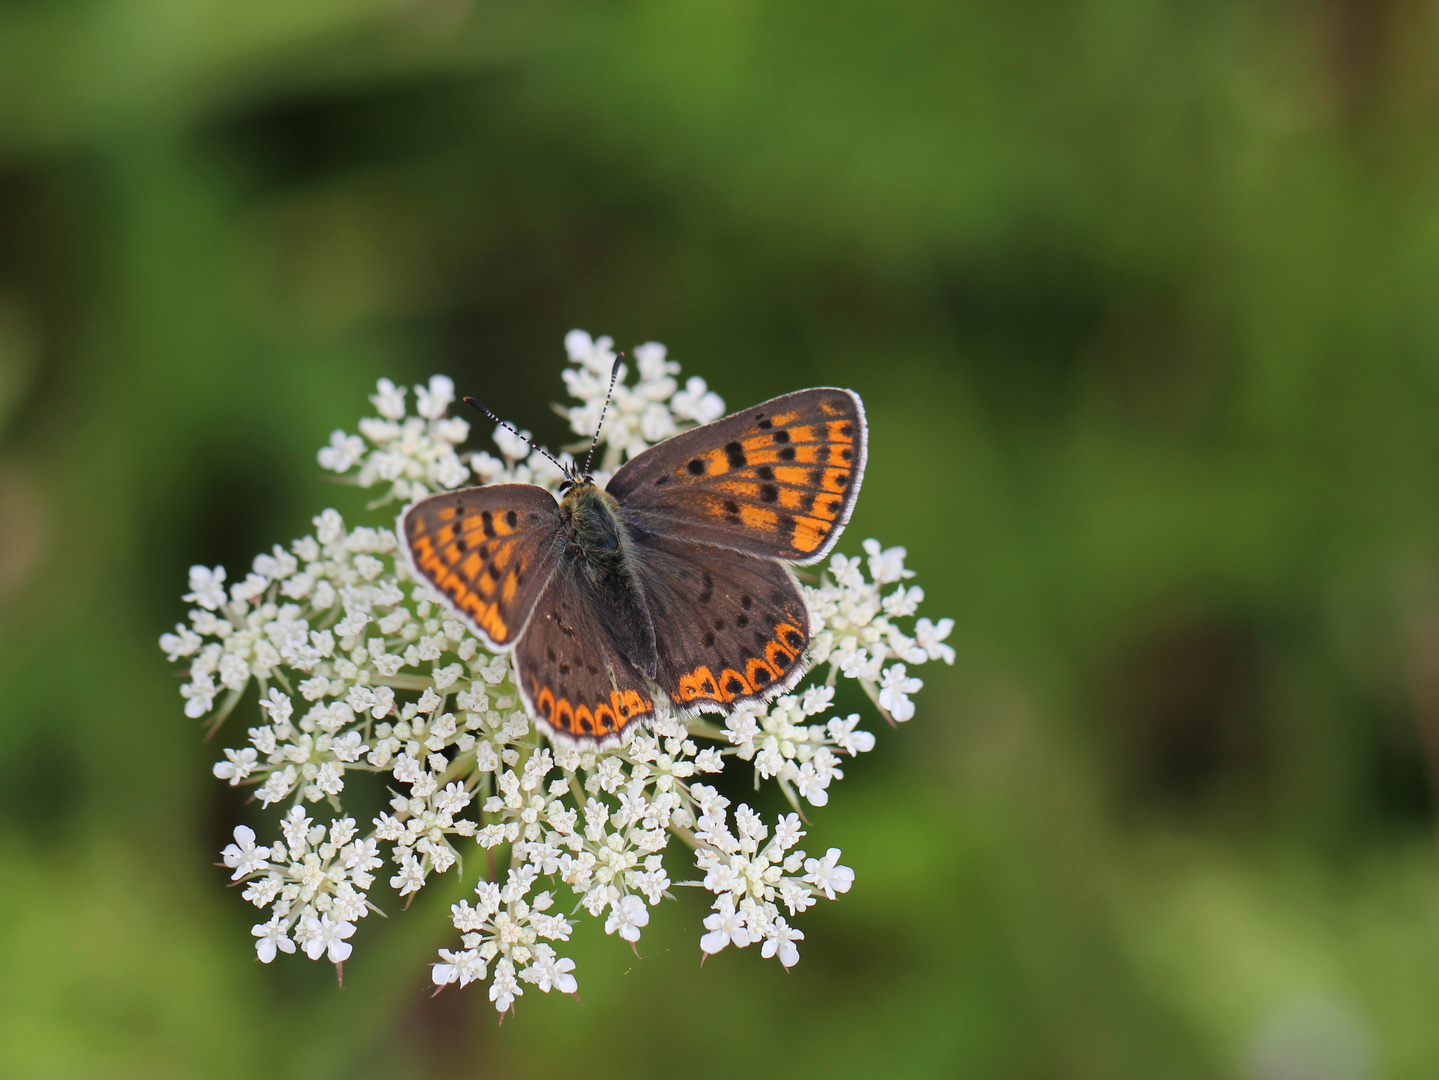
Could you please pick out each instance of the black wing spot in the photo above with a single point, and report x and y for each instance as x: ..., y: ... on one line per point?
x: 761, y: 676
x: 709, y: 640
x: 731, y: 507
x: 741, y: 621
x: 734, y: 454
x: 696, y: 467
x: 708, y: 591
x: 815, y: 476
x: 491, y: 573
x: 512, y: 519
x: 780, y: 661
x: 844, y: 454
x: 746, y: 602
x: 847, y: 431
x: 781, y: 436
x: 793, y: 638
x: 662, y: 480
x: 734, y: 686
x: 786, y: 524
x: 519, y: 579
x: 764, y: 472
x: 464, y: 541
x: 549, y: 652
x: 763, y: 425
x: 787, y: 454
x: 768, y: 492
x: 719, y: 624
x: 487, y: 522
x: 564, y: 668
x: 842, y: 479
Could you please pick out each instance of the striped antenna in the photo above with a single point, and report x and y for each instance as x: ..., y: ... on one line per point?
x: 614, y: 374
x: 511, y: 428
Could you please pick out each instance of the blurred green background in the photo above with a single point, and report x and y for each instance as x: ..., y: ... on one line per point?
x: 1141, y: 297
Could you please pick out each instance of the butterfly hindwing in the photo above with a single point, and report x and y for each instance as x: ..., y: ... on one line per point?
x: 778, y: 480
x: 489, y: 551
x: 570, y: 673
x: 735, y: 627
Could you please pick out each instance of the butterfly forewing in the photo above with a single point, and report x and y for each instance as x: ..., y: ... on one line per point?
x: 778, y: 480
x: 490, y: 551
x: 735, y: 627
x: 571, y: 675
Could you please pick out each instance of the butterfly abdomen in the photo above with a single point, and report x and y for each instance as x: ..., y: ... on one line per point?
x: 601, y: 547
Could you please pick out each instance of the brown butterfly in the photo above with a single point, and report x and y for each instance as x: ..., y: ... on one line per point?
x: 672, y: 579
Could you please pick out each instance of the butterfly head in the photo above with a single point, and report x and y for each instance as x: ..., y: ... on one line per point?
x: 574, y: 478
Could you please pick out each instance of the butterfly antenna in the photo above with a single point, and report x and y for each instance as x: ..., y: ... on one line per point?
x: 614, y: 375
x: 476, y: 403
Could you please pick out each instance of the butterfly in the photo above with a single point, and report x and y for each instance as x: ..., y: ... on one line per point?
x: 672, y: 580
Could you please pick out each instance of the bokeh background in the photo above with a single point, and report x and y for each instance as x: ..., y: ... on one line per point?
x: 1143, y: 299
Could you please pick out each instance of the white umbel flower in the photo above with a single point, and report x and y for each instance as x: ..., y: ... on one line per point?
x: 365, y: 680
x: 629, y: 916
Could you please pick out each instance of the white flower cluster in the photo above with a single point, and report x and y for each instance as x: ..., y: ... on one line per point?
x: 360, y: 670
x: 415, y: 455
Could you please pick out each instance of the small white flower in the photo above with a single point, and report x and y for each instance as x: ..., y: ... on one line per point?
x: 432, y: 401
x: 598, y: 356
x: 725, y: 927
x: 450, y: 472
x: 272, y: 937
x: 552, y: 972
x: 343, y: 453
x: 279, y: 706
x: 886, y: 565
x: 844, y: 735
x: 244, y: 856
x: 629, y: 917
x: 930, y: 637
x: 903, y: 602
x: 207, y: 587
x: 697, y: 402
x: 199, y: 695
x: 827, y: 875
x: 184, y: 642
x: 240, y: 765
x: 780, y: 940
x: 504, y: 988
x: 894, y: 692
x: 389, y: 400
x: 325, y: 936
x: 651, y: 360
x: 463, y: 967
x: 411, y: 877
